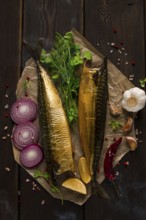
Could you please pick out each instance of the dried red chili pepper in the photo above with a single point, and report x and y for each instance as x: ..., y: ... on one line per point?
x: 108, y: 164
x: 108, y: 161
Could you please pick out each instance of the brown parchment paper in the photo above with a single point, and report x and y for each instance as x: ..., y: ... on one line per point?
x: 117, y: 84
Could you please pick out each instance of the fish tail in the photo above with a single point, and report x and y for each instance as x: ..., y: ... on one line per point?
x: 117, y: 189
x: 98, y: 189
x: 31, y: 51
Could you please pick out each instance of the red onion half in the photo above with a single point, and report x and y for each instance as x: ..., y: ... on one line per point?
x: 31, y: 156
x: 23, y: 110
x: 25, y: 134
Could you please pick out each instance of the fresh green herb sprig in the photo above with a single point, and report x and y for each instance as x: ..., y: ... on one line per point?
x: 25, y: 85
x: 115, y: 124
x: 142, y: 82
x: 62, y: 61
x: 38, y: 173
x: 46, y: 176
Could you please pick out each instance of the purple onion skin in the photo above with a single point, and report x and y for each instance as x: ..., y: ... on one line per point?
x: 25, y: 134
x: 24, y: 110
x: 31, y: 156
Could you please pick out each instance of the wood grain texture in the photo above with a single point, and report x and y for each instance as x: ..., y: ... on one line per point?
x: 10, y: 38
x: 122, y: 23
x: 103, y: 22
x: 43, y: 18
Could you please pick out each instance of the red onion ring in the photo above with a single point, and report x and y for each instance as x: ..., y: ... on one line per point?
x: 25, y: 134
x: 23, y: 110
x: 31, y: 156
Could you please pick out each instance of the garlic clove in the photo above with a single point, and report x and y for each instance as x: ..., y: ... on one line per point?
x: 114, y: 110
x: 132, y: 143
x: 128, y: 125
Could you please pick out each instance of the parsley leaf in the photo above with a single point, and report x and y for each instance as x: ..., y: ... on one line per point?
x: 38, y: 173
x: 142, y: 82
x: 62, y: 62
x: 115, y: 124
x: 87, y: 55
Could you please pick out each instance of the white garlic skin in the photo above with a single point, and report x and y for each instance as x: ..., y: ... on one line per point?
x: 133, y: 100
x: 132, y: 143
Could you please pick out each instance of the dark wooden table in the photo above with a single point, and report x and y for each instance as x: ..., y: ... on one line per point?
x: 102, y: 22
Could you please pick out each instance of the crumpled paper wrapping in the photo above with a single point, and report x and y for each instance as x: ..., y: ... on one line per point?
x: 117, y: 84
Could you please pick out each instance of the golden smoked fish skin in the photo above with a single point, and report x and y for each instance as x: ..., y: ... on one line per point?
x: 86, y: 110
x: 54, y: 128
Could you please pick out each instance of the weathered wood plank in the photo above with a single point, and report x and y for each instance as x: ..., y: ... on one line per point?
x: 10, y: 38
x: 48, y: 17
x: 37, y: 204
x: 122, y: 23
x: 42, y: 18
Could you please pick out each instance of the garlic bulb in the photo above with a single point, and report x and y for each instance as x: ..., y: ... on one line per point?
x: 133, y: 99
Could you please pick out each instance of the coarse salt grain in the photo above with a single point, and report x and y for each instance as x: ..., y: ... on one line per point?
x: 6, y: 106
x: 43, y: 202
x: 34, y: 184
x: 5, y: 128
x: 136, y: 131
x: 7, y: 169
x: 112, y: 44
x: 27, y: 180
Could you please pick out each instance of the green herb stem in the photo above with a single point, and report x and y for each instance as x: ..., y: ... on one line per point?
x: 61, y: 62
x: 115, y: 124
x: 46, y: 176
